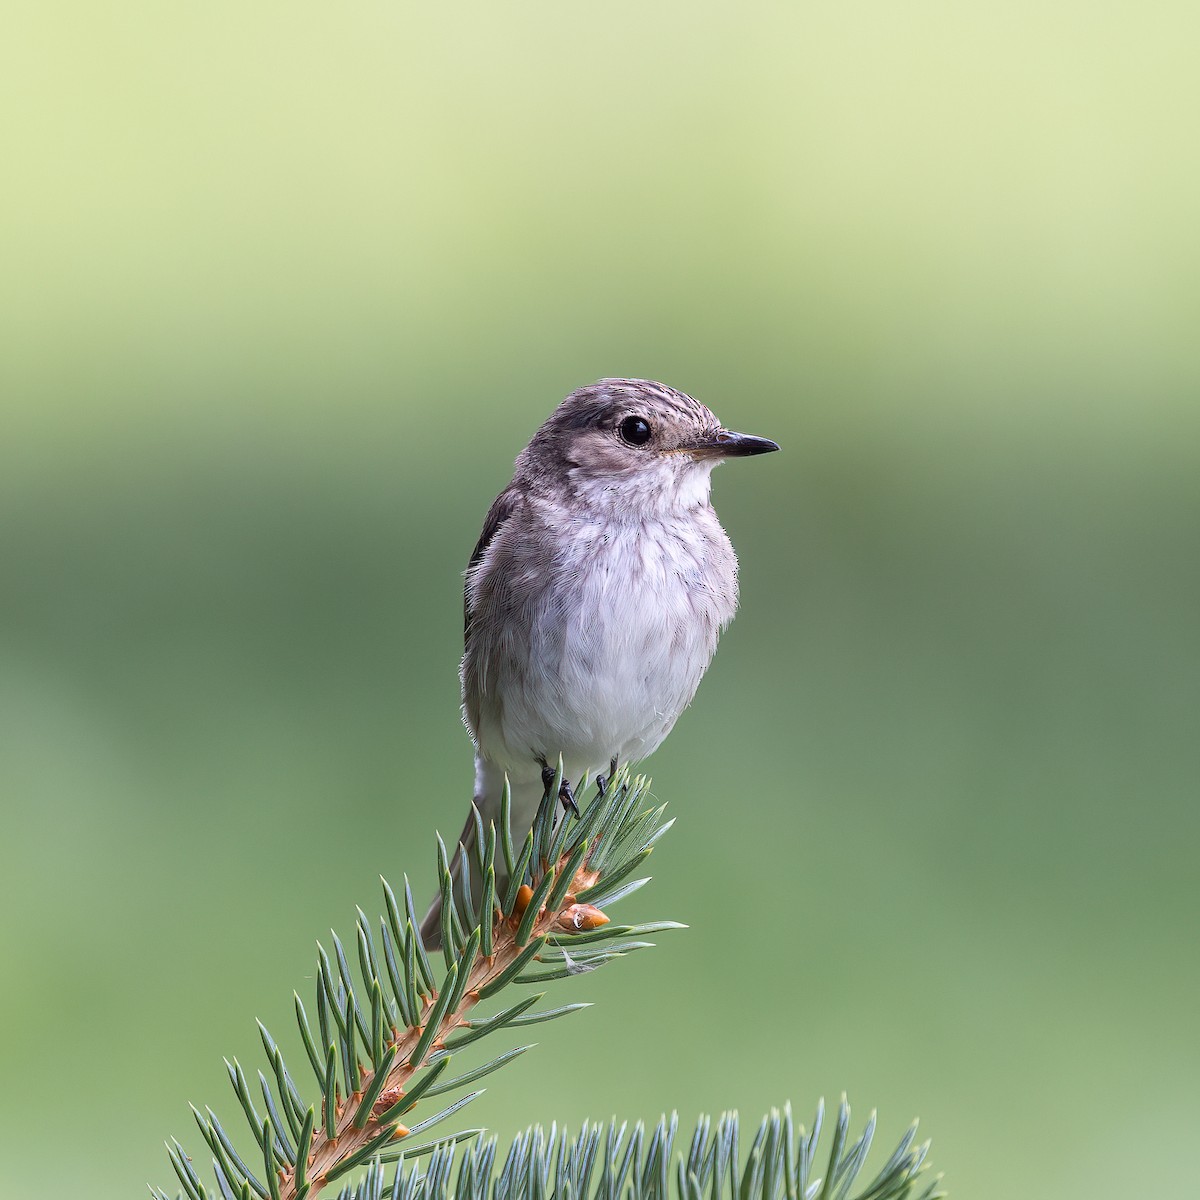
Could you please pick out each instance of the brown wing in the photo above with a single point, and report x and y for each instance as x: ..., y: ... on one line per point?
x: 502, y: 508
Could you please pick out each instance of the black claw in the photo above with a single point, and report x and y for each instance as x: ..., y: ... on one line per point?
x: 566, y: 796
x: 602, y: 781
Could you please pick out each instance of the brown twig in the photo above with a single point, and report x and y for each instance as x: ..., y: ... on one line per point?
x: 328, y: 1153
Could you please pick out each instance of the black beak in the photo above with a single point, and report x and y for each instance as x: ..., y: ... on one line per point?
x: 724, y: 444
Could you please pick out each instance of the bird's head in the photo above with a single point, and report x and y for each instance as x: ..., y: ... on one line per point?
x: 635, y: 443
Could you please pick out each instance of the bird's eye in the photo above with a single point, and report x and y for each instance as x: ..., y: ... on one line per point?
x: 635, y: 430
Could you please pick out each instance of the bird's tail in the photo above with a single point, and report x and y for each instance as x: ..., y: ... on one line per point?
x: 525, y: 796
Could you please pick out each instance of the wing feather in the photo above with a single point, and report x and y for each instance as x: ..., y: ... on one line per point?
x: 502, y: 509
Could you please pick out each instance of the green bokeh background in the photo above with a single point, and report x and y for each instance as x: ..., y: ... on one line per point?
x: 286, y: 286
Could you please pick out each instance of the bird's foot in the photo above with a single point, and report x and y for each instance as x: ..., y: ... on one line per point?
x: 566, y: 794
x: 566, y: 797
x: 602, y: 781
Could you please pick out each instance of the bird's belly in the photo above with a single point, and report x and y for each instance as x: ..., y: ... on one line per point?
x: 616, y: 651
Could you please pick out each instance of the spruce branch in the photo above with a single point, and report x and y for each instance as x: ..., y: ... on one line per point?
x: 388, y: 1025
x: 385, y: 1032
x: 614, y: 1162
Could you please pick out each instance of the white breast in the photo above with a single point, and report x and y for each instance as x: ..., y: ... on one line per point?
x: 622, y: 628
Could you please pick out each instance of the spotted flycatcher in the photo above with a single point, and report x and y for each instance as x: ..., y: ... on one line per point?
x: 595, y: 596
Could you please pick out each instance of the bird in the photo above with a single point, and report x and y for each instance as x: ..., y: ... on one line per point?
x: 594, y: 599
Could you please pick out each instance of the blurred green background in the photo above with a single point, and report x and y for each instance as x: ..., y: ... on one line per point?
x: 286, y: 287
